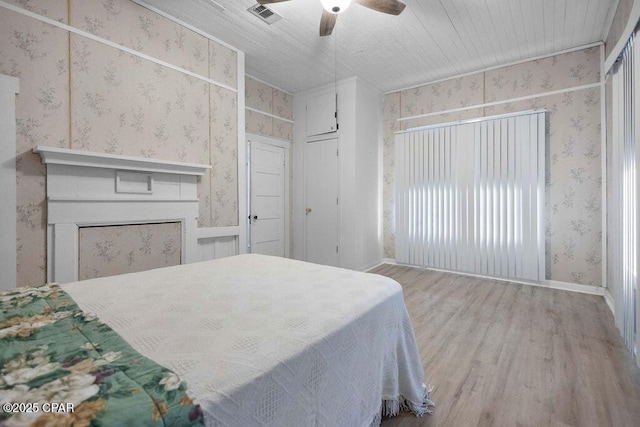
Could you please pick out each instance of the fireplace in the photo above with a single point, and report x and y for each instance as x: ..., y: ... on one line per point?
x: 99, y: 204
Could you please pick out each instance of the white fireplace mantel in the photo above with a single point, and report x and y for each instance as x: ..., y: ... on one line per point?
x: 96, y: 189
x: 65, y: 156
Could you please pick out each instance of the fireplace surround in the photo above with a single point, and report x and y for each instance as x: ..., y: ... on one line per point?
x: 86, y: 189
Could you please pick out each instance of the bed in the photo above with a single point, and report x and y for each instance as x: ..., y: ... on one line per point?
x: 249, y: 340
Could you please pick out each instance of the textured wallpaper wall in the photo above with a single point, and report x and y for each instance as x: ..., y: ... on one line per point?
x: 262, y: 97
x: 107, y: 251
x: 573, y: 176
x: 82, y: 94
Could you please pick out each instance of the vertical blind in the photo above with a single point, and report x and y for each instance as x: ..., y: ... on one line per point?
x: 622, y: 201
x: 469, y: 196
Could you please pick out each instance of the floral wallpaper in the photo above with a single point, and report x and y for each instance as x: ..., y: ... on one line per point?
x: 130, y: 25
x: 573, y: 177
x: 165, y: 113
x: 543, y: 75
x: 620, y: 20
x: 78, y: 93
x: 223, y: 64
x: 258, y: 95
x: 446, y: 95
x: 224, y: 147
x: 107, y: 251
x: 26, y: 48
x: 265, y: 98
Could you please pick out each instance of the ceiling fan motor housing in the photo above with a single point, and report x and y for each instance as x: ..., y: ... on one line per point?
x: 335, y: 6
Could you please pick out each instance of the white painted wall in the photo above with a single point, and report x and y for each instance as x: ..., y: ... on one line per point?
x: 359, y: 138
x: 8, y: 91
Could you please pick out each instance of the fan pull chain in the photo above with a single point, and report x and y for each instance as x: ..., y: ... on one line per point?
x: 335, y: 68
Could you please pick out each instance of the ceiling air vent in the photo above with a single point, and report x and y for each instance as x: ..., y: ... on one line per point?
x: 264, y: 13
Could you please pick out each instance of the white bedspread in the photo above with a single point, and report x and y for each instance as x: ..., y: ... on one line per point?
x: 266, y: 341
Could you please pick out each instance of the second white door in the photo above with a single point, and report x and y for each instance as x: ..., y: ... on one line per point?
x: 267, y: 217
x: 321, y: 196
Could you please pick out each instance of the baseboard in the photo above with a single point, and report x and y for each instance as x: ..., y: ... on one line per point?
x: 573, y: 287
x: 610, y: 302
x: 371, y: 266
x: 383, y: 261
x: 552, y: 284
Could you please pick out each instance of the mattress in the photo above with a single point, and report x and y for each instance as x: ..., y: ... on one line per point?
x: 266, y: 341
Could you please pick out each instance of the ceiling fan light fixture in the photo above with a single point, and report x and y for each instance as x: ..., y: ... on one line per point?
x: 335, y: 6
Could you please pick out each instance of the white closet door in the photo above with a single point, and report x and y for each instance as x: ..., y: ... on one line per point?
x: 321, y: 196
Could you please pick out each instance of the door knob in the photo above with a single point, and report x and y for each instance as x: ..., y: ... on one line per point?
x: 255, y: 217
x: 308, y: 210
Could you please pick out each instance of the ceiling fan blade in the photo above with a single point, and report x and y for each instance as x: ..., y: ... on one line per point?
x: 392, y: 7
x: 327, y: 22
x: 270, y: 1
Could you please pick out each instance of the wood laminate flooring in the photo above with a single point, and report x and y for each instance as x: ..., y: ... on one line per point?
x: 507, y: 354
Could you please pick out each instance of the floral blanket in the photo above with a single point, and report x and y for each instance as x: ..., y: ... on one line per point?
x: 67, y: 368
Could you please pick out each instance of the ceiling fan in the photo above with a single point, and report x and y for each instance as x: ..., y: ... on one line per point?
x: 333, y: 7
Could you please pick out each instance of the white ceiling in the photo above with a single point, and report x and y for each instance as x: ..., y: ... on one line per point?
x: 430, y: 40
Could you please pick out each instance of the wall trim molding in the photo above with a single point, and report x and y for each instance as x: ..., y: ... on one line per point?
x: 114, y: 45
x: 266, y: 83
x: 603, y: 167
x: 506, y: 101
x: 371, y: 266
x: 475, y: 120
x: 573, y: 287
x: 255, y: 110
x: 217, y: 242
x: 552, y: 284
x: 214, y: 232
x: 184, y: 24
x: 9, y: 88
x: 241, y: 146
x: 610, y: 302
x: 509, y: 64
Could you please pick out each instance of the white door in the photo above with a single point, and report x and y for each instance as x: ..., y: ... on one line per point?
x: 321, y: 196
x: 267, y: 215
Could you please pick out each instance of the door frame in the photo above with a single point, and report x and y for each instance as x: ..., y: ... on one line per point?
x: 286, y: 145
x: 9, y: 88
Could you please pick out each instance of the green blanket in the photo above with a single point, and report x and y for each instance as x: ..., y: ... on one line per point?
x: 67, y: 368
